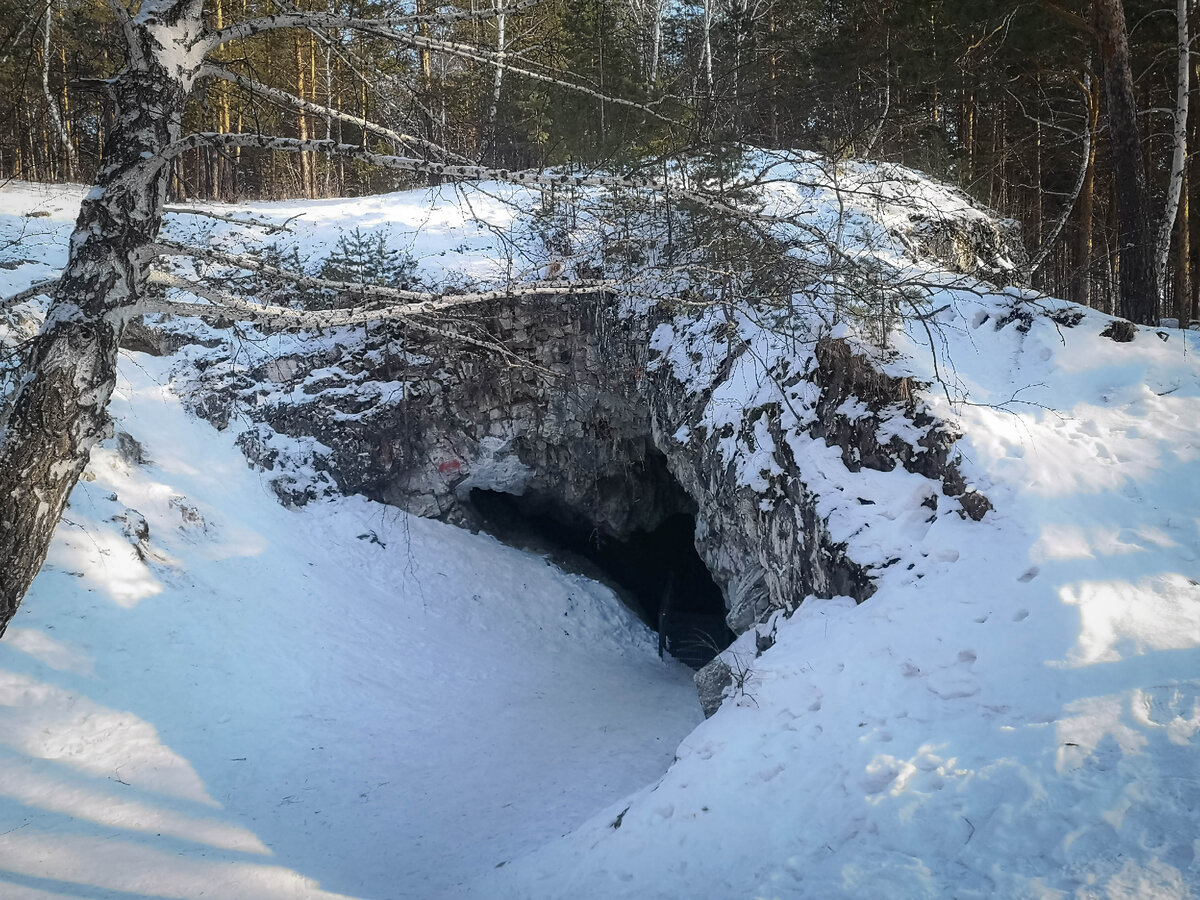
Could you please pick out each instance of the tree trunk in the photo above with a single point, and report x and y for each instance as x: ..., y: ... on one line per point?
x: 1179, y: 145
x: 58, y: 414
x: 1082, y: 286
x: 707, y: 49
x: 52, y: 110
x: 1139, y: 287
x: 306, y: 161
x: 1183, y: 256
x: 658, y: 10
x: 497, y: 84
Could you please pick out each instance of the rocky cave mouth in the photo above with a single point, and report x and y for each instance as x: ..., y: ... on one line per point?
x: 656, y: 572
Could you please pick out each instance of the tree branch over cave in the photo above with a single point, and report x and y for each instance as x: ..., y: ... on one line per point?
x: 115, y: 267
x: 58, y: 412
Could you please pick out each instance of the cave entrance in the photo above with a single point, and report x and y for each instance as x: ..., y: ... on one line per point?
x: 658, y: 572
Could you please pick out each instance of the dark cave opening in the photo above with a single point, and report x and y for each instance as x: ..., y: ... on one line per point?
x: 658, y: 572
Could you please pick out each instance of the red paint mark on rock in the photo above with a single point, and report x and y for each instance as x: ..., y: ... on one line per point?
x: 450, y: 467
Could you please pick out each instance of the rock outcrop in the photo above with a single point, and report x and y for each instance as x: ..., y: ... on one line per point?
x: 614, y: 414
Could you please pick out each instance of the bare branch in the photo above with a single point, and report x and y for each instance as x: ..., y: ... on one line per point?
x: 384, y: 29
x: 301, y: 19
x: 1080, y: 177
x: 271, y: 227
x: 292, y: 100
x: 34, y: 290
x: 1180, y: 149
x: 416, y: 302
x: 226, y: 306
x: 496, y: 347
x: 121, y: 14
x: 1071, y: 17
x: 533, y: 178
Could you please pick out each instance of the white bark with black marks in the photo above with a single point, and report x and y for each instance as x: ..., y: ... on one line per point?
x: 58, y: 413
x: 1179, y: 145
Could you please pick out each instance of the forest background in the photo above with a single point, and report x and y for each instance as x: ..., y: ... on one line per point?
x: 1006, y: 99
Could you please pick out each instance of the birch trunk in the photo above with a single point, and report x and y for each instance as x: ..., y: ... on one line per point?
x: 1179, y: 151
x: 1082, y: 285
x: 58, y: 414
x: 497, y: 75
x: 708, y: 60
x: 655, y: 42
x: 60, y: 129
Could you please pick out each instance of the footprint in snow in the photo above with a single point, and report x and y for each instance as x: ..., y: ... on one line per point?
x: 1021, y: 615
x: 879, y: 778
x: 1029, y: 574
x: 949, y: 686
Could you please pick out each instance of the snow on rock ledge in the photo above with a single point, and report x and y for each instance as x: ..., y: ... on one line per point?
x: 770, y: 424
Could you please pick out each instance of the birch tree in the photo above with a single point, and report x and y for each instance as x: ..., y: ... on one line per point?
x: 56, y: 119
x: 646, y: 18
x: 1179, y: 144
x: 58, y: 413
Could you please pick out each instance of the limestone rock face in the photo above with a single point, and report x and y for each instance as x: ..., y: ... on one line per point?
x: 711, y: 682
x: 615, y: 414
x: 596, y: 428
x: 987, y: 248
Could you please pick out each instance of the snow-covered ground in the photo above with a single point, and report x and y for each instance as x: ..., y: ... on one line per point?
x: 270, y: 701
x: 1015, y: 713
x: 259, y: 703
x: 269, y: 697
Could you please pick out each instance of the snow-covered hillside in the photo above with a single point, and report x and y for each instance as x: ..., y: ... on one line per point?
x: 254, y: 696
x: 207, y: 695
x: 1015, y: 712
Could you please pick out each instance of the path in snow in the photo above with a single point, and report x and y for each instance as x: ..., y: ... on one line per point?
x: 258, y: 703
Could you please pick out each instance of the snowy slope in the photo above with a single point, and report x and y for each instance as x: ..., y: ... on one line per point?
x: 1014, y: 713
x: 249, y: 702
